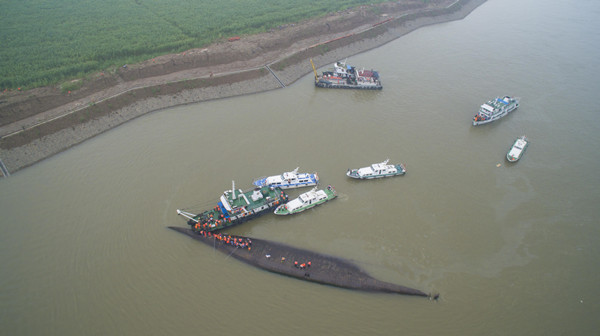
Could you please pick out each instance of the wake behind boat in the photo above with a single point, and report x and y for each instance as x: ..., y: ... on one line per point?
x: 235, y: 207
x: 306, y: 201
x: 495, y: 109
x: 517, y: 149
x: 288, y: 180
x: 377, y: 170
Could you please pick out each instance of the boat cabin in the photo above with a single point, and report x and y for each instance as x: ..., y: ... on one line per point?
x: 307, y: 198
x: 377, y: 169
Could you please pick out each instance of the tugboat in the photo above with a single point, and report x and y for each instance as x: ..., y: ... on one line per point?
x: 306, y: 201
x: 345, y: 76
x: 495, y: 109
x: 235, y: 207
x: 517, y: 149
x: 288, y: 180
x: 377, y: 170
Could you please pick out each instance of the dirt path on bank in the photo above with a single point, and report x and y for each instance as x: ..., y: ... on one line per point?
x: 42, y: 122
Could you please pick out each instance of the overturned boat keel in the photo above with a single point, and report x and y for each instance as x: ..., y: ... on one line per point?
x: 298, y: 263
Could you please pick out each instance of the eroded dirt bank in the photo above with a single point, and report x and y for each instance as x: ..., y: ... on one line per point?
x: 42, y: 122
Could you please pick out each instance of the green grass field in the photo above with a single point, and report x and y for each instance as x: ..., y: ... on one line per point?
x: 44, y: 42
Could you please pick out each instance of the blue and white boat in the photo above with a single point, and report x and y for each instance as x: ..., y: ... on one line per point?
x: 495, y: 109
x: 288, y: 180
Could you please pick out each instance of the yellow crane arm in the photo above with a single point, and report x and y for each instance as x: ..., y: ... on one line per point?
x: 314, y: 69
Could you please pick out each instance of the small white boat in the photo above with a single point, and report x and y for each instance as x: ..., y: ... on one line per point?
x: 288, y: 180
x: 306, y: 201
x: 518, y: 148
x: 377, y: 170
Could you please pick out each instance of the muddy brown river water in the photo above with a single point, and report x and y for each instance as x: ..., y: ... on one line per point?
x: 513, y: 250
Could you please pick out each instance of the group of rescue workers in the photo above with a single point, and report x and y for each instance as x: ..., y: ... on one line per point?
x: 240, y: 242
x: 246, y: 243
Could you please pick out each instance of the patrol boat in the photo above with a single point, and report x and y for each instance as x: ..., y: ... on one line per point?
x: 377, y: 170
x: 306, y: 201
x: 235, y: 207
x: 518, y: 148
x: 288, y: 180
x: 346, y: 76
x: 495, y: 109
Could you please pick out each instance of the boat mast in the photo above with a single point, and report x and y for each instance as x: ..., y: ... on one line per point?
x: 232, y: 189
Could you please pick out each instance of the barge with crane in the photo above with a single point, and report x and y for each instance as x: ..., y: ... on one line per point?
x: 344, y: 76
x: 235, y: 207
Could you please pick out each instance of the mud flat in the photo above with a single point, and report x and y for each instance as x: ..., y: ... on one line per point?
x: 146, y: 88
x: 301, y: 264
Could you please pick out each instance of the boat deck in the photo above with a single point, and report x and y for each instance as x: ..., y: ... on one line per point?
x: 253, y: 198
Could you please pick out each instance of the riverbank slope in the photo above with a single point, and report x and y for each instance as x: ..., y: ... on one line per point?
x: 42, y: 122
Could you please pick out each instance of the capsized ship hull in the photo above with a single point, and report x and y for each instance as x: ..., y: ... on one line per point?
x: 299, y: 263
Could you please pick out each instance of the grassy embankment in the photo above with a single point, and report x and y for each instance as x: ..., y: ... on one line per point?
x: 47, y: 42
